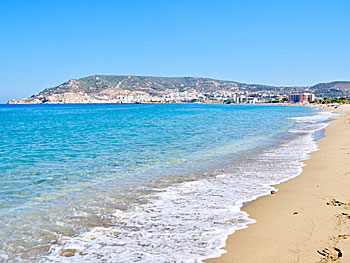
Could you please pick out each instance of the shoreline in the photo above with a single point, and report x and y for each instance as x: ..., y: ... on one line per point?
x: 296, y: 222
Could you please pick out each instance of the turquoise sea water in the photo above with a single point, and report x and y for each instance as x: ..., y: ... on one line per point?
x: 73, y: 174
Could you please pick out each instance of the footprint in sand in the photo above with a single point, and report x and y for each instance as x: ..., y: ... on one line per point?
x: 334, y: 202
x: 343, y: 217
x: 340, y: 237
x: 330, y: 254
x: 334, y: 254
x: 344, y: 236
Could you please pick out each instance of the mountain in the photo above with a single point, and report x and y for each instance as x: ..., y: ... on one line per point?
x: 332, y: 89
x: 112, y: 88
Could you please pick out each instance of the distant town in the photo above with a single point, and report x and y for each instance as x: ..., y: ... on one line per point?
x: 194, y: 97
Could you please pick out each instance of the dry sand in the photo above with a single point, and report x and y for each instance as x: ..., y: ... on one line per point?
x: 308, y: 219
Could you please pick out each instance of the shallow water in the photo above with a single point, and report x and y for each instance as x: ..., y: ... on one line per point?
x: 147, y: 183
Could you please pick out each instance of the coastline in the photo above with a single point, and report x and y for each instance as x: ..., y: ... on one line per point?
x: 302, y: 218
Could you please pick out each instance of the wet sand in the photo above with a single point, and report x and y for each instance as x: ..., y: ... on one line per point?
x: 308, y: 219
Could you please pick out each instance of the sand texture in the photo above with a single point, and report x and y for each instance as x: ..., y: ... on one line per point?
x: 308, y: 219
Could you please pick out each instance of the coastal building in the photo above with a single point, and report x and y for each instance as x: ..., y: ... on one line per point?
x: 252, y: 100
x: 300, y: 98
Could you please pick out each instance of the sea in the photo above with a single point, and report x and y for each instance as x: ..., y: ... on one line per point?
x: 141, y: 182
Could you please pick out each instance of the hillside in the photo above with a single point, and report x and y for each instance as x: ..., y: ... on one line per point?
x: 111, y: 88
x: 332, y: 89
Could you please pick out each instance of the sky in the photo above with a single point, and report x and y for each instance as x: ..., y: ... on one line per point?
x: 285, y: 43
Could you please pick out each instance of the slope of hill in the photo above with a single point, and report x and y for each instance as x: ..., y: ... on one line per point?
x: 332, y: 89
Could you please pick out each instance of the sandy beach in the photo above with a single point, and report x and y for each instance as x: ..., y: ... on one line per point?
x: 308, y: 219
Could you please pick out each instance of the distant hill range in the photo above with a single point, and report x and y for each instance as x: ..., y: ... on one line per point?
x: 112, y: 88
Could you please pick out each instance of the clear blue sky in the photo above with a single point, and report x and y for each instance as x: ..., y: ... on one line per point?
x: 44, y: 43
